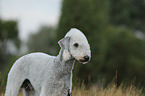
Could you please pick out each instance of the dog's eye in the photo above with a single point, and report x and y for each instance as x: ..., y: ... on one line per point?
x: 76, y: 44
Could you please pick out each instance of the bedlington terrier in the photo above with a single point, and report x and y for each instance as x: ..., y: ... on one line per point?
x: 39, y: 74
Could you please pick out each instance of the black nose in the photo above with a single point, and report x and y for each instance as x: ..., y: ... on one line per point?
x: 86, y: 58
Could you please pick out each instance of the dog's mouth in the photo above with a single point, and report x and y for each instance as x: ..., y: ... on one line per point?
x: 83, y: 61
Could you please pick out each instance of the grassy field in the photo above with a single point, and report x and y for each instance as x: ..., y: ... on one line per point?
x: 110, y: 90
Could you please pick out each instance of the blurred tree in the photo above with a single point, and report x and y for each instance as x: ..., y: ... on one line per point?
x: 128, y: 13
x: 44, y: 40
x: 125, y: 54
x: 114, y: 47
x: 8, y: 36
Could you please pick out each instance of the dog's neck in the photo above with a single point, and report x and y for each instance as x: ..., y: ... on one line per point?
x: 63, y: 69
x: 66, y: 60
x: 65, y: 56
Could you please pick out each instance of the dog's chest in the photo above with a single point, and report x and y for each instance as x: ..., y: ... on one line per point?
x: 59, y: 86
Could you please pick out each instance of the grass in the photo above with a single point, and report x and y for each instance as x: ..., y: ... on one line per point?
x: 110, y: 90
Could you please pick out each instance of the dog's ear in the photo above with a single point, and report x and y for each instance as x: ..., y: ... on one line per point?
x: 64, y: 42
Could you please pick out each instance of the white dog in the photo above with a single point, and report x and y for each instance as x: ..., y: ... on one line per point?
x: 39, y: 74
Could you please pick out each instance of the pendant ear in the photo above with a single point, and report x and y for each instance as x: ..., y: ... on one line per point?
x: 64, y: 42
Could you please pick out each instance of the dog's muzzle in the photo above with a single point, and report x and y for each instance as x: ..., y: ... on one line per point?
x: 85, y: 59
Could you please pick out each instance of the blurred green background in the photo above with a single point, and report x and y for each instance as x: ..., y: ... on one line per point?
x: 115, y: 30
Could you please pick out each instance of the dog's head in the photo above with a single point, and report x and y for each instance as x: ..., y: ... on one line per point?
x: 76, y: 46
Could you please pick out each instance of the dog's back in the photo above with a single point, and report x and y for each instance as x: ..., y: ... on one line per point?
x: 31, y: 67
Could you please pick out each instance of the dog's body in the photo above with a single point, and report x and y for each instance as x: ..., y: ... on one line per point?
x: 39, y: 74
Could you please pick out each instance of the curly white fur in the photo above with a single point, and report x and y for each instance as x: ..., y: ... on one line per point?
x: 39, y: 74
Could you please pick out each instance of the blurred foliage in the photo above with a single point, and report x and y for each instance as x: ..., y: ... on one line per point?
x: 109, y: 26
x: 128, y: 13
x: 8, y: 36
x: 43, y: 41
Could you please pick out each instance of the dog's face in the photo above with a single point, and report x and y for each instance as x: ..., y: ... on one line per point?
x: 79, y: 47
